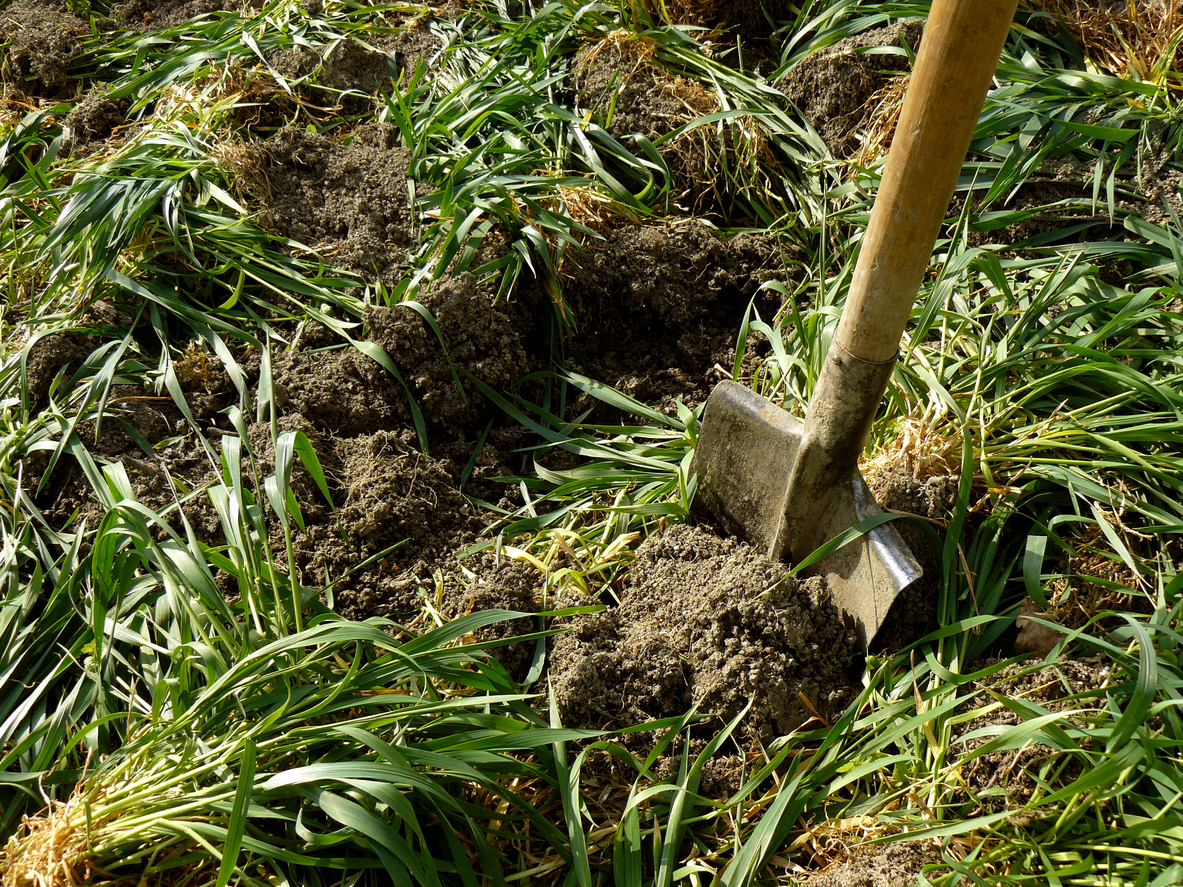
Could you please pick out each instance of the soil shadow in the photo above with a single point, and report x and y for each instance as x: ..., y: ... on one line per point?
x: 710, y: 624
x: 832, y: 87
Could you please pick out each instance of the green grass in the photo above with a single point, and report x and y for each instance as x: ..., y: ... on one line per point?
x: 185, y: 709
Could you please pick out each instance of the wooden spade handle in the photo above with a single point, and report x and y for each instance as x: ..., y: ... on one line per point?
x: 956, y: 62
x: 954, y: 67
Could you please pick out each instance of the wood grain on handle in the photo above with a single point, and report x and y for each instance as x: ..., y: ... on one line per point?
x: 953, y: 70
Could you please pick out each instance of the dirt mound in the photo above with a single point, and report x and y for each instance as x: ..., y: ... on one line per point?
x: 501, y: 585
x: 93, y: 120
x: 348, y: 200
x: 658, y: 306
x: 147, y: 16
x: 392, y: 495
x: 43, y: 36
x: 341, y: 391
x: 833, y: 86
x: 707, y: 622
x: 496, y: 341
x: 889, y: 865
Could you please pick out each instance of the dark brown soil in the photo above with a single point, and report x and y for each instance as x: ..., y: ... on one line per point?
x: 879, y: 865
x: 43, y: 38
x: 831, y: 87
x: 347, y: 200
x: 709, y: 623
x: 147, y: 16
x: 501, y: 585
x: 658, y: 307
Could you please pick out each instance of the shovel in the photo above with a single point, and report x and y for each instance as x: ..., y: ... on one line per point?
x: 792, y: 488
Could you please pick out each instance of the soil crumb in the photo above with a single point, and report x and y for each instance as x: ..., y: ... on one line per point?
x: 711, y: 624
x: 350, y: 201
x: 833, y: 86
x: 881, y: 865
x: 44, y: 37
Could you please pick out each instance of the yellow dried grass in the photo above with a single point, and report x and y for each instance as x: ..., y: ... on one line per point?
x: 1124, y: 37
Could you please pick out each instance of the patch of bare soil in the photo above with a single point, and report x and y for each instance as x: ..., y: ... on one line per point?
x: 43, y: 37
x: 348, y: 200
x: 659, y: 306
x: 147, y: 16
x: 833, y: 86
x: 879, y: 865
x: 708, y: 623
x: 1006, y: 779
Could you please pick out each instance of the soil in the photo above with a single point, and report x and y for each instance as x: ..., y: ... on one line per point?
x: 832, y: 87
x: 43, y: 37
x: 708, y: 623
x: 147, y: 16
x: 658, y: 306
x: 1006, y: 780
x: 93, y: 121
x: 348, y: 200
x: 500, y: 585
x: 881, y: 865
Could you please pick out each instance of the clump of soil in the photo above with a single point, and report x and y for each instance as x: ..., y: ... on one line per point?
x: 350, y: 66
x: 393, y: 495
x: 43, y: 37
x: 147, y: 16
x: 52, y: 354
x: 1006, y: 779
x: 658, y: 306
x: 347, y: 200
x: 496, y: 341
x: 94, y: 119
x: 502, y: 585
x: 340, y: 390
x: 709, y: 623
x: 878, y: 865
x: 833, y: 86
x: 617, y: 76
